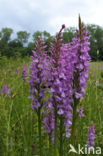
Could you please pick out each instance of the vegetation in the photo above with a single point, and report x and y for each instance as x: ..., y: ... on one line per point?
x: 54, y: 86
x: 18, y: 123
x: 22, y: 45
x: 46, y: 107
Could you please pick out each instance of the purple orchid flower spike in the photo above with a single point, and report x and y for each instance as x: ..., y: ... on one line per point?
x: 24, y: 72
x: 5, y: 90
x: 91, y: 135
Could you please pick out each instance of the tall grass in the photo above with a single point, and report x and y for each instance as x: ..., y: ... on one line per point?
x: 18, y: 123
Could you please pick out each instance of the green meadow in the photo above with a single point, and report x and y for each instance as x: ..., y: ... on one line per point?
x: 18, y: 122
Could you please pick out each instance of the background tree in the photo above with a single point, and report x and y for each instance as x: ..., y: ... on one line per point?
x: 22, y: 37
x: 99, y: 42
x: 68, y: 34
x: 5, y: 34
x: 96, y: 40
x: 45, y: 35
x: 15, y: 43
x: 48, y: 39
x: 20, y: 46
x: 36, y: 34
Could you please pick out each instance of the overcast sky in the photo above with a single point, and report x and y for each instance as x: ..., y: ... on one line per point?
x: 33, y: 15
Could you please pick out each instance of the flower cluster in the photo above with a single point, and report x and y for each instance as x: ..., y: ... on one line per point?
x: 91, y: 135
x: 5, y: 90
x: 17, y: 71
x: 40, y: 68
x: 80, y: 112
x: 80, y: 56
x: 24, y: 73
x: 49, y: 122
x: 63, y: 75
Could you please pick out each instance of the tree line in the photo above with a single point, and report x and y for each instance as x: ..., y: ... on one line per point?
x: 22, y: 46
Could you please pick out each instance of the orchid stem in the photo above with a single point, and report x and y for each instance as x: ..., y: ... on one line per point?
x: 39, y: 130
x: 61, y: 136
x: 50, y: 145
x: 76, y: 102
x: 55, y: 133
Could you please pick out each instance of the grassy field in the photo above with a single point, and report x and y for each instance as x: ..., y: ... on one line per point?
x: 18, y: 123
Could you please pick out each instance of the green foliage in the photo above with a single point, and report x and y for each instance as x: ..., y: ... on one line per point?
x: 21, y: 46
x: 5, y: 34
x: 68, y: 34
x: 36, y: 34
x: 96, y: 40
x: 22, y: 37
x: 18, y: 123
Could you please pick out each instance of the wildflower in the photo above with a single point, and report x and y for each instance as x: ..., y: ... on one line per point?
x: 24, y: 74
x: 40, y: 73
x: 17, y: 72
x: 80, y: 48
x: 61, y: 82
x: 80, y: 112
x: 5, y: 90
x: 80, y: 58
x: 91, y: 135
x: 49, y: 122
x: 8, y: 92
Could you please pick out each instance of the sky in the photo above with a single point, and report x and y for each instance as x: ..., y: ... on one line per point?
x: 49, y: 15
